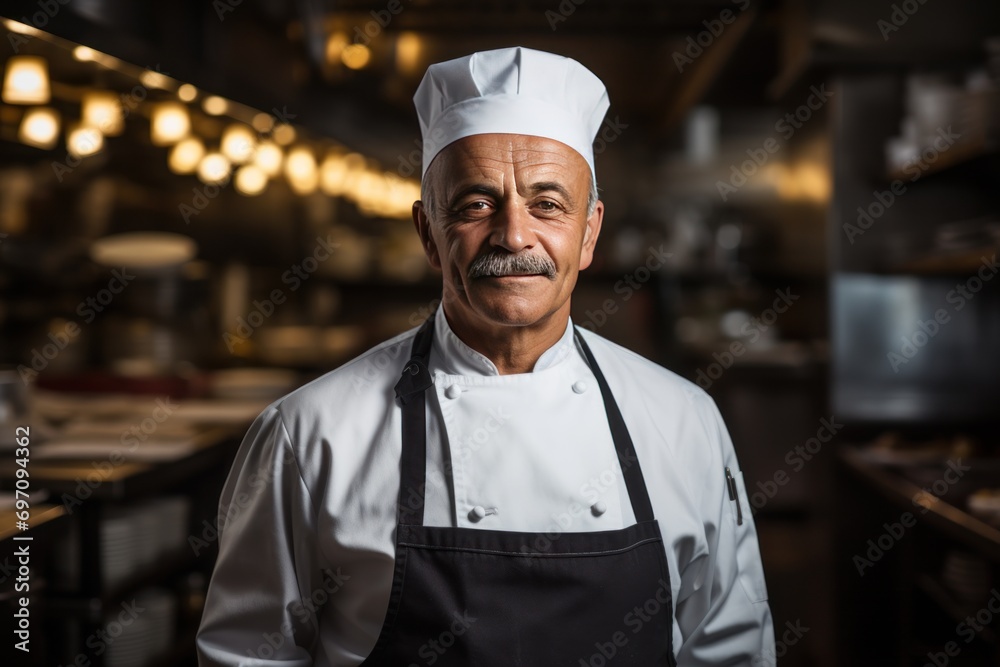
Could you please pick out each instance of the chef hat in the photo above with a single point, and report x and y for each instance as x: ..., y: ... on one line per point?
x: 510, y: 91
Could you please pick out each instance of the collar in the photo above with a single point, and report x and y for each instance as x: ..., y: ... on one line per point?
x: 453, y: 357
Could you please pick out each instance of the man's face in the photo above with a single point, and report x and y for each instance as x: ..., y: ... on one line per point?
x: 512, y: 205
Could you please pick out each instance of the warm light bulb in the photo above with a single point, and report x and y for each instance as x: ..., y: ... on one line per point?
x: 186, y: 155
x: 215, y: 105
x: 407, y: 52
x: 214, y: 168
x: 269, y: 158
x: 152, y: 79
x: 84, y: 140
x: 284, y: 134
x: 263, y: 122
x: 84, y: 54
x: 356, y: 56
x: 103, y: 111
x: 300, y: 169
x: 40, y: 127
x: 335, y: 45
x: 250, y: 180
x: 187, y: 92
x: 26, y: 80
x: 238, y: 143
x: 170, y: 123
x: 20, y: 28
x: 332, y: 174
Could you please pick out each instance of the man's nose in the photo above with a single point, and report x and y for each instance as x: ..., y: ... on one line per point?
x: 512, y: 229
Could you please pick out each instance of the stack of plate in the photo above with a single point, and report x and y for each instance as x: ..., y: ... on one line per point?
x: 134, y: 538
x: 170, y: 516
x: 122, y: 547
x: 137, y: 640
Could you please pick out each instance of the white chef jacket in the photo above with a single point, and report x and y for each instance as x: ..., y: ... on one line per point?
x: 308, y: 514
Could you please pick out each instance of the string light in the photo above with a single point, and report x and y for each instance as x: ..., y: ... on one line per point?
x: 238, y: 143
x: 103, y: 111
x: 186, y: 156
x: 214, y: 168
x: 250, y: 180
x: 84, y: 140
x: 170, y: 123
x: 26, y: 81
x: 40, y: 127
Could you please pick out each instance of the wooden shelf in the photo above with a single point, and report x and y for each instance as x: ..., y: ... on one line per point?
x: 945, y: 517
x: 959, y: 154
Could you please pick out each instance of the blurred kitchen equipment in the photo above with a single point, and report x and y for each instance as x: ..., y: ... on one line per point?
x: 252, y: 383
x: 157, y: 317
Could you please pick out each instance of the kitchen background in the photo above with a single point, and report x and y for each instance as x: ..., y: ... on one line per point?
x: 204, y: 205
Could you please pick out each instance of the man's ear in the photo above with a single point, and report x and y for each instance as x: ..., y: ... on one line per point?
x: 590, y: 234
x: 423, y: 225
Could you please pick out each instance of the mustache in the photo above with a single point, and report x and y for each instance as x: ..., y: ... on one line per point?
x: 506, y: 264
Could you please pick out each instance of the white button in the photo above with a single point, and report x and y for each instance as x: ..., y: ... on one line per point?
x: 599, y: 508
x: 478, y: 513
x: 453, y: 391
x: 579, y: 386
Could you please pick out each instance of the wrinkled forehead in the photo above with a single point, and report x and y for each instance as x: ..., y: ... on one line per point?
x: 495, y: 157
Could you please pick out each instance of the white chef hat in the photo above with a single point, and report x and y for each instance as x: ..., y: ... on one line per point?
x: 510, y: 91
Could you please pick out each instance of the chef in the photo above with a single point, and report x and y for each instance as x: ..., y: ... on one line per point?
x: 495, y: 487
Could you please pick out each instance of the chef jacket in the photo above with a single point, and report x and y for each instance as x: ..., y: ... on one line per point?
x: 308, y: 513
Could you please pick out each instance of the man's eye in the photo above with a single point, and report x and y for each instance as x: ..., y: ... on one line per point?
x: 476, y: 206
x: 547, y: 206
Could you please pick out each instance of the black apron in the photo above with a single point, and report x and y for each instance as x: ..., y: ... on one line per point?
x: 464, y: 597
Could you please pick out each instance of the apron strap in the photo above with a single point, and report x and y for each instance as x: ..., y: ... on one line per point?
x: 627, y: 458
x: 411, y: 391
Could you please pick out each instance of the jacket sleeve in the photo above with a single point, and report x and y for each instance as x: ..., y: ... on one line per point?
x: 726, y: 619
x: 259, y: 609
